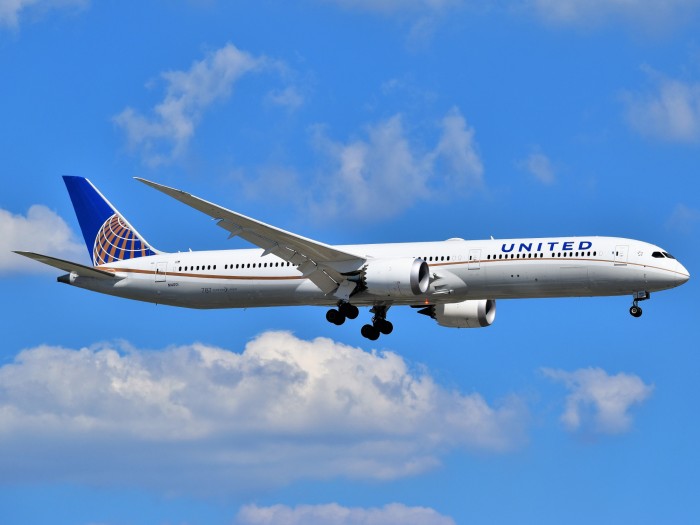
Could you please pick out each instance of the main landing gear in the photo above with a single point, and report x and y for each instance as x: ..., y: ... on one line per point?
x: 372, y: 331
x: 635, y: 309
x: 344, y: 310
x: 379, y: 324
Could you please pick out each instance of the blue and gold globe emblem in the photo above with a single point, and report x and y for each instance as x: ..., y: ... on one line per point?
x: 115, y: 241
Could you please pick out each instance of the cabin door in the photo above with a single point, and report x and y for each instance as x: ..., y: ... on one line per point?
x: 161, y: 268
x: 621, y: 255
x: 474, y: 259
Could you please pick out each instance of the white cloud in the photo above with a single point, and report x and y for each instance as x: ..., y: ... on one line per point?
x: 540, y: 167
x: 334, y: 514
x: 683, y: 219
x: 289, y: 97
x: 386, y: 174
x: 650, y: 14
x: 165, y: 134
x: 281, y: 410
x: 670, y: 111
x: 42, y: 231
x: 599, y: 402
x: 11, y: 10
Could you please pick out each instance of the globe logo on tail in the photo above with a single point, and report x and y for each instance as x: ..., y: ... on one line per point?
x: 115, y: 241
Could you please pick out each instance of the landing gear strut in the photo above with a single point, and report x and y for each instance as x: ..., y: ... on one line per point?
x: 345, y: 310
x: 379, y: 324
x: 635, y: 309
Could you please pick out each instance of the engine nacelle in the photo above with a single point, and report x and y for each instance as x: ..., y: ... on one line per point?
x: 467, y: 314
x: 405, y: 277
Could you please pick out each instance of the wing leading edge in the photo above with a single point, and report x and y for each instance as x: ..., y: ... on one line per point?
x: 315, y: 260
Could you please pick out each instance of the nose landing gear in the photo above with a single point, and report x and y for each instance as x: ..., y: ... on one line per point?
x: 635, y: 309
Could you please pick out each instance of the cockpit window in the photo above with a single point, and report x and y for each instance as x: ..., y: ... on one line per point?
x: 657, y: 255
x: 669, y: 255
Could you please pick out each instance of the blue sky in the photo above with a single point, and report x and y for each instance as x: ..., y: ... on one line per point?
x: 349, y: 121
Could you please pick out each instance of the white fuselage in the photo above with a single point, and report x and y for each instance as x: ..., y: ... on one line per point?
x: 459, y: 270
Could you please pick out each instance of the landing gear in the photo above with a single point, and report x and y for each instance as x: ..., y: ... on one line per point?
x: 345, y: 310
x: 335, y: 316
x: 370, y: 332
x: 635, y: 309
x: 379, y: 324
x: 349, y: 310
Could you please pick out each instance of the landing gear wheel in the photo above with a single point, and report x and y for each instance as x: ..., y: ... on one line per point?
x: 635, y: 311
x: 349, y: 310
x: 335, y: 317
x: 370, y: 332
x: 384, y: 326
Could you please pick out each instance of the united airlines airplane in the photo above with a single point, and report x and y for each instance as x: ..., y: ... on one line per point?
x: 456, y: 282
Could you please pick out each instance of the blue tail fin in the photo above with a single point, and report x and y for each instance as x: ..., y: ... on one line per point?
x: 108, y: 235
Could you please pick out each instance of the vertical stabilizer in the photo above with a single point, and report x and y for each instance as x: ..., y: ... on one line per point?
x: 108, y: 235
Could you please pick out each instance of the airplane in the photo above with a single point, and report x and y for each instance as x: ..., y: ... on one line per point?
x: 455, y: 282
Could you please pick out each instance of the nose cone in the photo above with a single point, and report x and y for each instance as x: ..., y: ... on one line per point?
x: 683, y: 274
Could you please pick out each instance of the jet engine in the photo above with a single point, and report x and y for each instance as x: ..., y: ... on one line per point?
x: 405, y: 277
x: 467, y: 314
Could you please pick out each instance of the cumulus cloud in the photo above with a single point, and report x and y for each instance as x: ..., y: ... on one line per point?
x: 540, y: 167
x: 670, y: 110
x: 651, y: 14
x: 282, y: 409
x: 42, y: 231
x: 11, y: 10
x: 599, y: 402
x: 385, y: 173
x: 334, y: 514
x: 164, y: 134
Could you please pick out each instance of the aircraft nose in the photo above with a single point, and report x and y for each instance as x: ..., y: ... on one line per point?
x: 683, y: 274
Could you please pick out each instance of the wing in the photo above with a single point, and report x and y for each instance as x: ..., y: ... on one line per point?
x: 315, y: 260
x: 68, y: 266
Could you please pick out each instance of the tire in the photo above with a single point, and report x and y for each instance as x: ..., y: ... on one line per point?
x: 349, y: 310
x: 370, y: 332
x: 335, y: 317
x: 385, y: 326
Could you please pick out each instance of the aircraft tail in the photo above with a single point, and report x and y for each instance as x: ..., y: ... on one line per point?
x: 108, y: 235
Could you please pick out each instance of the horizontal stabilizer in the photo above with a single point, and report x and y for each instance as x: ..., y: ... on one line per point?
x: 68, y: 266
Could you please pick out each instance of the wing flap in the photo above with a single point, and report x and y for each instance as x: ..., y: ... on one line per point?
x: 68, y: 266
